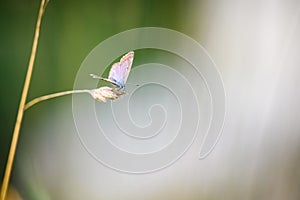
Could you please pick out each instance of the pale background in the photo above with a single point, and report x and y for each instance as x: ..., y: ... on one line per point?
x: 255, y: 45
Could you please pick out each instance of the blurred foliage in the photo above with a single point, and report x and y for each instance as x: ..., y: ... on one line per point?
x: 70, y: 30
x: 258, y: 158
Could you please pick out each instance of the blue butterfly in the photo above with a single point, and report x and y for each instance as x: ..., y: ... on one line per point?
x: 119, y: 71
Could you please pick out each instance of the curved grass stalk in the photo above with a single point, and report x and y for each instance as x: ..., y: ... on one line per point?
x: 54, y: 95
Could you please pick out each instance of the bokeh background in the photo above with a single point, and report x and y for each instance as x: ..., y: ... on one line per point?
x: 255, y: 45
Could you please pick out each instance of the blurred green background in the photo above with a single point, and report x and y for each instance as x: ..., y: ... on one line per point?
x: 255, y: 45
x: 70, y: 30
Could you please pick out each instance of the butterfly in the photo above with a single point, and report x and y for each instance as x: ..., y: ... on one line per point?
x: 119, y: 71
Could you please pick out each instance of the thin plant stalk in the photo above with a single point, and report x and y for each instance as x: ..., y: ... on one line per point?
x: 18, y: 123
x: 54, y: 95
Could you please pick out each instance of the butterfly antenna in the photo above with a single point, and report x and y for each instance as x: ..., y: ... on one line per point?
x: 95, y: 76
x: 137, y: 85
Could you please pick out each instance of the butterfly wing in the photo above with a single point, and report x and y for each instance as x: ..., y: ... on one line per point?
x: 119, y: 71
x: 126, y: 63
x: 115, y: 74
